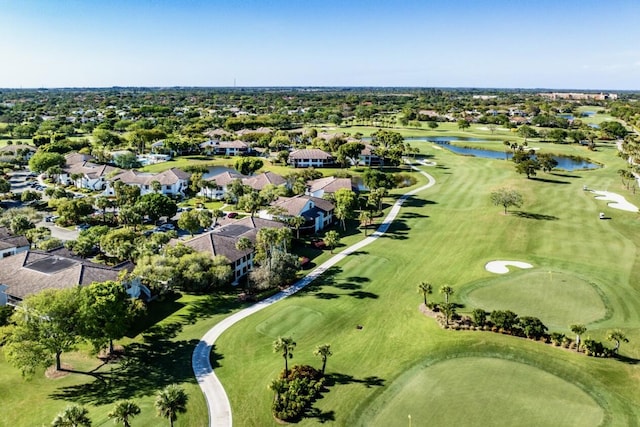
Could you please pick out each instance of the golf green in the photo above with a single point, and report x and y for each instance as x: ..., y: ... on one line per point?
x: 558, y: 299
x: 475, y: 391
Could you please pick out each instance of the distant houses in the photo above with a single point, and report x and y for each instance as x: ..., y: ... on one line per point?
x: 312, y: 157
x: 172, y: 182
x: 225, y: 148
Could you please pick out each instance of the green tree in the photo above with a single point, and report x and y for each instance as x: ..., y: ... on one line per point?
x: 506, y: 197
x: 447, y: 291
x: 5, y: 186
x: 479, y: 317
x: 463, y: 124
x: 346, y: 203
x: 119, y: 243
x: 28, y: 195
x: 156, y: 205
x: 171, y: 401
x: 20, y: 224
x: 425, y: 289
x: 126, y: 195
x: 194, y: 220
x: 432, y: 124
x: 323, y: 351
x: 123, y: 411
x: 506, y: 320
x: 216, y: 213
x: 127, y: 161
x: 449, y: 310
x: 45, y: 327
x: 41, y: 162
x: 349, y: 152
x: 617, y: 336
x: 578, y: 329
x: 365, y: 218
x: 285, y: 346
x: 105, y: 313
x: 247, y: 165
x: 297, y: 222
x: 532, y: 327
x: 250, y: 202
x: 331, y: 239
x: 72, y: 416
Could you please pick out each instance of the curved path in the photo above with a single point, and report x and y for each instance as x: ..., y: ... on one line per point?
x: 216, y: 397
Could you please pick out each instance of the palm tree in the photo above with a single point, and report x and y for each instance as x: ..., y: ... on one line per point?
x: 72, y: 416
x: 171, y: 401
x: 297, y: 222
x: 447, y: 291
x: 448, y: 309
x: 331, y: 239
x: 426, y: 289
x: 286, y: 346
x: 617, y: 335
x: 578, y: 329
x: 365, y: 219
x: 216, y: 213
x: 123, y: 410
x: 323, y: 351
x: 244, y: 244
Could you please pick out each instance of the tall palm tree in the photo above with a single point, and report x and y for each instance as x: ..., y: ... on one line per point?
x: 617, y: 335
x: 323, y: 351
x: 123, y: 410
x: 244, y: 244
x: 285, y: 345
x: 216, y: 213
x: 578, y: 329
x: 171, y: 401
x: 448, y: 309
x: 365, y: 219
x: 426, y: 289
x: 297, y: 222
x: 72, y: 416
x: 447, y: 291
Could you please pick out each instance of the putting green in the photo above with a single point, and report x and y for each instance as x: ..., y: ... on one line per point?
x: 292, y: 321
x: 475, y: 391
x: 558, y: 299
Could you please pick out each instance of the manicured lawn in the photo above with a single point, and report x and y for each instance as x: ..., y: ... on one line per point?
x: 159, y: 356
x: 557, y: 298
x: 472, y: 391
x: 446, y: 235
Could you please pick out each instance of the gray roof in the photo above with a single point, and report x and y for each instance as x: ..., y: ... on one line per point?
x: 223, y: 240
x: 30, y: 272
x: 312, y: 153
x: 329, y: 184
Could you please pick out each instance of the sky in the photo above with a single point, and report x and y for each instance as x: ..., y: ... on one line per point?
x: 555, y: 44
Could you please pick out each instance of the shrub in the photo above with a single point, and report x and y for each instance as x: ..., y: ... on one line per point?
x: 479, y: 317
x: 298, y: 390
x: 557, y: 338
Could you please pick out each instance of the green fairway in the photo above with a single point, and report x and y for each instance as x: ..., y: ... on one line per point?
x: 479, y: 392
x: 558, y: 299
x: 445, y: 236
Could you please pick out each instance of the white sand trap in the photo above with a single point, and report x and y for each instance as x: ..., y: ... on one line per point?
x: 500, y: 267
x: 616, y: 201
x: 436, y: 147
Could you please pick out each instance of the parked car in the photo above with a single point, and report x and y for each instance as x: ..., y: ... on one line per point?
x: 167, y: 227
x: 82, y: 227
x: 232, y: 215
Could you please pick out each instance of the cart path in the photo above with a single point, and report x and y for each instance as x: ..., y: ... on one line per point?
x: 215, y: 395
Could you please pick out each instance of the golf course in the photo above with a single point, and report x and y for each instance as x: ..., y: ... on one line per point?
x: 392, y: 365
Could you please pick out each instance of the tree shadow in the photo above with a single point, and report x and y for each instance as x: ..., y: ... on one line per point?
x: 156, y: 312
x: 564, y: 175
x: 212, y: 305
x: 363, y: 295
x: 348, y: 286
x: 536, y: 216
x: 322, y: 417
x: 626, y: 359
x: 343, y: 379
x: 550, y: 181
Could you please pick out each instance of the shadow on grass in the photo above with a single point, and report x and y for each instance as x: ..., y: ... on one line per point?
x: 550, y: 181
x: 156, y: 311
x: 536, y: 216
x: 564, y: 175
x: 342, y: 379
x: 627, y: 360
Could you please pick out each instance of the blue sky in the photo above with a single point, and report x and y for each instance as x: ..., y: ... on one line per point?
x: 456, y: 43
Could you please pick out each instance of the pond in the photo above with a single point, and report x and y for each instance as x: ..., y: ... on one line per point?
x: 217, y: 170
x: 565, y: 163
x: 437, y: 139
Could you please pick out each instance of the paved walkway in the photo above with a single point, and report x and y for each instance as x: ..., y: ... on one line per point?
x: 216, y: 397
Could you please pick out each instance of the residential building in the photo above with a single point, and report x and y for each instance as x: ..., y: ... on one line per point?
x: 87, y: 174
x: 222, y: 241
x: 30, y: 272
x: 225, y: 148
x: 11, y: 244
x: 327, y: 185
x: 317, y: 212
x: 222, y: 181
x: 313, y: 157
x: 173, y: 182
x: 258, y: 182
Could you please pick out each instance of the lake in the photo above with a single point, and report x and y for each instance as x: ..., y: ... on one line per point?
x: 565, y: 163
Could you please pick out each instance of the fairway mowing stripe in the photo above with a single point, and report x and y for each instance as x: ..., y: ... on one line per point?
x: 214, y: 393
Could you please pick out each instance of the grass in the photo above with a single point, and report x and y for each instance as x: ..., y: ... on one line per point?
x: 474, y: 391
x: 446, y: 235
x: 159, y: 356
x: 557, y: 298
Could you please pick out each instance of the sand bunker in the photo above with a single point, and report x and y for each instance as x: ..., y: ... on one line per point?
x: 500, y: 267
x: 616, y: 201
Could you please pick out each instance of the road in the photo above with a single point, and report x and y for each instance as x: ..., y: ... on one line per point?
x: 215, y: 395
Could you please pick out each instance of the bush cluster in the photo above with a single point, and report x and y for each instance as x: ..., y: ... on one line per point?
x: 296, y: 391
